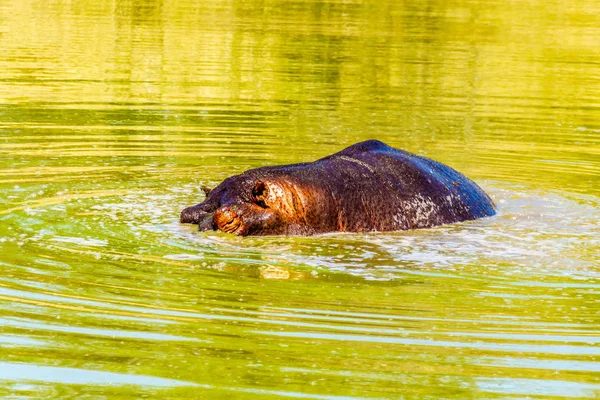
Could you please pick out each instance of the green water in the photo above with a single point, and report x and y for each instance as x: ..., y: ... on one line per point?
x: 113, y: 114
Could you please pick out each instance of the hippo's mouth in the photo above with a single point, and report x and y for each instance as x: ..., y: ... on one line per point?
x: 227, y: 219
x: 208, y: 224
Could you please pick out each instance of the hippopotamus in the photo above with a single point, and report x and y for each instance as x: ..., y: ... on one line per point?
x: 366, y: 187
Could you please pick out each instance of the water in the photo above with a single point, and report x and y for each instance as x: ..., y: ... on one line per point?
x: 113, y: 114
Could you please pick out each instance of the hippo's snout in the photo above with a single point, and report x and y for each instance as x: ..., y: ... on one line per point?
x: 192, y: 215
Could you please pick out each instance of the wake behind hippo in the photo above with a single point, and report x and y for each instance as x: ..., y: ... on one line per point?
x: 368, y: 186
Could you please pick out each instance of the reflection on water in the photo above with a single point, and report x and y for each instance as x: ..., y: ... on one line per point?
x: 18, y: 372
x: 113, y: 114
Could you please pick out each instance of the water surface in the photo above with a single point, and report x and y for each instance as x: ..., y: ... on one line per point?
x: 113, y: 114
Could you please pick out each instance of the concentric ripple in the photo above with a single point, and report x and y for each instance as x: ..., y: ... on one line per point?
x: 114, y: 114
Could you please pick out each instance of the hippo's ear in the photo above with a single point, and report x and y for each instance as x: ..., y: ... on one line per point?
x: 206, y: 189
x: 260, y: 192
x: 265, y: 193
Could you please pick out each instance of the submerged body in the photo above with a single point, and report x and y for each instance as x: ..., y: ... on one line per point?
x: 368, y: 186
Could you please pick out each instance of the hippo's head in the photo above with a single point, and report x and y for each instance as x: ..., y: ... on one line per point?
x: 249, y: 205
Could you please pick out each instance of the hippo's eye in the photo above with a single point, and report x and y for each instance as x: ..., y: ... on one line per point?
x: 259, y: 192
x: 206, y: 190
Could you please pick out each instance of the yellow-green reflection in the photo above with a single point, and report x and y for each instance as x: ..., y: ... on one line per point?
x: 112, y: 114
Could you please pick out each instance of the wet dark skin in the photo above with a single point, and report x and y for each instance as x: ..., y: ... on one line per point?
x: 366, y: 187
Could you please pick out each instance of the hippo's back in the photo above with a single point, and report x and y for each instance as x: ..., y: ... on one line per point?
x: 390, y: 189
